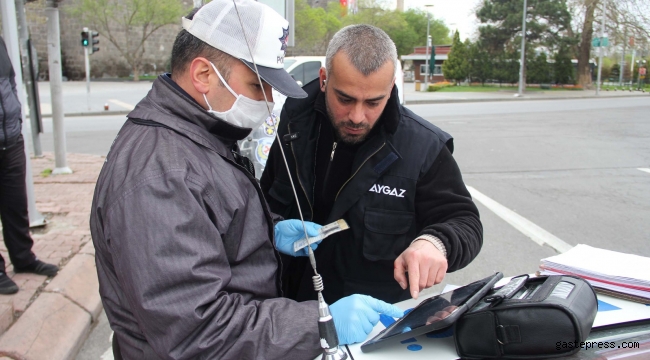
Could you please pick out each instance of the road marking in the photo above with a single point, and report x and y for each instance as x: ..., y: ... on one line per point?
x: 645, y: 170
x: 122, y: 104
x: 534, y: 232
x: 108, y: 355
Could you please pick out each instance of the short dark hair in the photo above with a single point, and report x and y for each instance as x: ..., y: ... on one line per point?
x: 188, y: 47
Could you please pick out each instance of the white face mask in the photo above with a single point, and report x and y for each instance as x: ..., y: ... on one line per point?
x: 245, y: 112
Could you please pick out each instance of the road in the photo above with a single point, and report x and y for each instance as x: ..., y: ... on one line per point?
x: 569, y: 167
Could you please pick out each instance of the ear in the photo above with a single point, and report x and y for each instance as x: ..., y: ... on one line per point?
x: 200, y: 75
x: 322, y: 76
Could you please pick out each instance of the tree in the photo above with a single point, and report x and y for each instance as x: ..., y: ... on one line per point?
x: 548, y: 24
x: 137, y: 19
x: 563, y: 70
x: 456, y: 67
x: 481, y: 64
x: 407, y: 29
x: 417, y: 20
x: 538, y: 70
x: 315, y: 27
x: 625, y: 19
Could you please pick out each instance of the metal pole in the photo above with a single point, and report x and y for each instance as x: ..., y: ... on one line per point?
x: 522, y: 65
x: 34, y: 113
x: 621, y: 67
x: 638, y: 76
x: 426, y: 60
x: 9, y: 27
x: 87, y: 61
x: 56, y: 91
x: 632, y: 69
x: 600, y: 51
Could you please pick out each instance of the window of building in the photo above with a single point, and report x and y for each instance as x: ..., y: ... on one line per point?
x: 436, y: 71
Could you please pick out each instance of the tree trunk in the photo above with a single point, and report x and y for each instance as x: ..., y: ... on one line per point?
x: 584, y: 50
x: 136, y: 73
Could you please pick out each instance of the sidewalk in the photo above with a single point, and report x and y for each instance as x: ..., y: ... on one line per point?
x: 51, y: 318
x: 121, y: 97
x: 413, y: 97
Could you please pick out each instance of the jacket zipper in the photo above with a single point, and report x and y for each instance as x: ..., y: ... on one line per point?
x: 4, y: 122
x: 268, y: 216
x: 332, y: 156
x: 295, y: 159
x: 329, y: 166
x: 355, y: 173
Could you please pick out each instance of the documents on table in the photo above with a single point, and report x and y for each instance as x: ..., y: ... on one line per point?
x: 620, y: 273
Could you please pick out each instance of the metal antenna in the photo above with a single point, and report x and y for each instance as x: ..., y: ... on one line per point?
x: 329, y: 340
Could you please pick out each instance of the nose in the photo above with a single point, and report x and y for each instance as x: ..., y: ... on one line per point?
x: 268, y: 91
x: 357, y: 115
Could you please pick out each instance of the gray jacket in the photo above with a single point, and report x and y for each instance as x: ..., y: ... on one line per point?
x: 185, y: 260
x: 10, y: 112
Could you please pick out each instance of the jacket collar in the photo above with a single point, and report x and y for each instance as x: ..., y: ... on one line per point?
x: 171, y: 106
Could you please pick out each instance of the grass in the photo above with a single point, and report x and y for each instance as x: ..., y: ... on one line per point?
x: 46, y: 172
x: 496, y: 88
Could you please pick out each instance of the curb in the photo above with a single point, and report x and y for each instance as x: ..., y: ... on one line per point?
x: 58, y: 322
x: 411, y: 102
x: 524, y: 98
x: 92, y: 113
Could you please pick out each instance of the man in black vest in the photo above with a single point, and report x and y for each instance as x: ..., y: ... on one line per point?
x: 356, y: 153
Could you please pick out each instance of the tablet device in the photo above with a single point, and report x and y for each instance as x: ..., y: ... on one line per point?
x: 434, y: 313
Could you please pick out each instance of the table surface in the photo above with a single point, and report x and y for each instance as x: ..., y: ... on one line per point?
x: 635, y: 328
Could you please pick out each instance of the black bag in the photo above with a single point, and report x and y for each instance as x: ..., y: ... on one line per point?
x: 529, y: 318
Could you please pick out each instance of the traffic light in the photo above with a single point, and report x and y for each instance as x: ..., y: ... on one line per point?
x: 85, y: 37
x: 94, y: 41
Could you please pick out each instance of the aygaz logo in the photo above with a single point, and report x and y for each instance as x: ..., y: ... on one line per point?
x: 387, y: 190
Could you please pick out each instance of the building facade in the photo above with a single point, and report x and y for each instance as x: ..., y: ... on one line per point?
x: 108, y: 62
x: 419, y: 58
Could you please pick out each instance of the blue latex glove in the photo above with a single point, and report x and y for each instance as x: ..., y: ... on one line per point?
x: 356, y: 315
x: 288, y: 232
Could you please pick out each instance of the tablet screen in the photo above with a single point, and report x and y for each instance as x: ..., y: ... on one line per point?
x: 432, y: 311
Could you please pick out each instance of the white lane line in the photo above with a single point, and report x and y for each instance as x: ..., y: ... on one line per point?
x: 534, y: 232
x: 645, y: 170
x: 108, y: 354
x: 122, y: 104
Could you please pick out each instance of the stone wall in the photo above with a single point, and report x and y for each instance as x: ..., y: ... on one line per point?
x: 108, y: 61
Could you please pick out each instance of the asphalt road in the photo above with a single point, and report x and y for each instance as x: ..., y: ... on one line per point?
x: 570, y: 167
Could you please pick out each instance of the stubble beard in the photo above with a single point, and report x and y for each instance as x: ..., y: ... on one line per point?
x: 341, y: 135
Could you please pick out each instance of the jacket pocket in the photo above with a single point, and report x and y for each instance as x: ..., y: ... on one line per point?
x: 385, y: 236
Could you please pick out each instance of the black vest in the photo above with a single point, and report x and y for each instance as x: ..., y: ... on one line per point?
x: 377, y: 201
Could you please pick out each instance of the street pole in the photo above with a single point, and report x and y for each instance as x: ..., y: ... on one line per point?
x: 522, y: 65
x: 9, y: 27
x: 426, y: 60
x: 87, y: 61
x: 621, y: 68
x: 600, y: 50
x: 632, y: 69
x: 28, y: 76
x: 56, y: 88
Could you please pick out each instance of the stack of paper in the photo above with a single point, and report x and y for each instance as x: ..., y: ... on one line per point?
x: 618, y: 272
